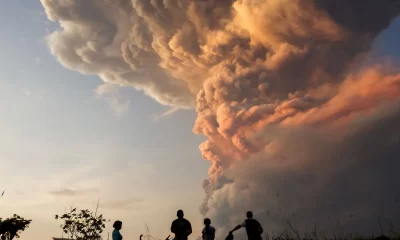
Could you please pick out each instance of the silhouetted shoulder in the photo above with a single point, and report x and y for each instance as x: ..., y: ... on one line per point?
x: 174, y: 224
x: 189, y: 225
x: 175, y: 221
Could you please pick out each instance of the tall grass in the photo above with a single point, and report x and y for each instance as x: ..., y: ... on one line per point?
x: 290, y: 232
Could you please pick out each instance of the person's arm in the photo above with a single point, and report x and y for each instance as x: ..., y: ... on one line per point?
x: 189, y: 229
x: 260, y: 229
x: 202, y: 234
x: 215, y: 231
x: 173, y: 227
x: 235, y: 229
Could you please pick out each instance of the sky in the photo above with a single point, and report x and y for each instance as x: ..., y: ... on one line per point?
x: 69, y: 139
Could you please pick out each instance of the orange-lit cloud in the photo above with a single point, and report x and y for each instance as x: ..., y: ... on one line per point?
x: 255, y: 71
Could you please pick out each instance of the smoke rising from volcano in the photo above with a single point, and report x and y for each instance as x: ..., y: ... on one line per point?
x: 258, y: 73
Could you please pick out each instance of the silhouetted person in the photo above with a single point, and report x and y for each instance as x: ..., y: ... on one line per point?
x: 382, y: 237
x: 181, y: 227
x: 230, y: 236
x: 116, y: 235
x: 253, y: 227
x: 208, y: 232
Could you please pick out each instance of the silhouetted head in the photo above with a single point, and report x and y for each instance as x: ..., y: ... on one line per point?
x: 207, y: 222
x: 179, y: 214
x: 249, y: 214
x: 117, y: 225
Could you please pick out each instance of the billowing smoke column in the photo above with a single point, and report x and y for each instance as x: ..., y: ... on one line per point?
x: 297, y: 129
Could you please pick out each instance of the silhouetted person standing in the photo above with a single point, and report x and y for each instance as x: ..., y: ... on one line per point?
x: 253, y: 227
x: 208, y: 232
x: 116, y: 235
x: 181, y: 227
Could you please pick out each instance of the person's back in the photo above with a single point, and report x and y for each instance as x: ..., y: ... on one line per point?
x: 116, y: 235
x: 181, y: 227
x: 208, y: 232
x: 252, y: 228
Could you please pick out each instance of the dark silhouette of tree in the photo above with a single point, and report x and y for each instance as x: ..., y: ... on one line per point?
x: 11, y: 228
x: 83, y: 224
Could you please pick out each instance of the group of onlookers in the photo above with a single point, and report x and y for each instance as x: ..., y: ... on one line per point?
x: 182, y: 228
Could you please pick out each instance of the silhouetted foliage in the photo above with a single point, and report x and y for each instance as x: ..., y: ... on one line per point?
x: 83, y: 224
x: 10, y: 228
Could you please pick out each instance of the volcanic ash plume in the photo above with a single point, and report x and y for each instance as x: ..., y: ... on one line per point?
x: 294, y: 124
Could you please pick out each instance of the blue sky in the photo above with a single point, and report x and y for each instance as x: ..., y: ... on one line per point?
x: 57, y: 134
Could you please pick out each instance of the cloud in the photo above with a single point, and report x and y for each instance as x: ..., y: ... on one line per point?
x: 277, y: 85
x: 170, y: 112
x: 317, y: 176
x: 119, y: 108
x: 27, y: 92
x: 121, y: 204
x: 67, y: 192
x: 110, y: 94
x: 181, y: 51
x: 165, y: 114
x: 105, y: 89
x: 92, y: 40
